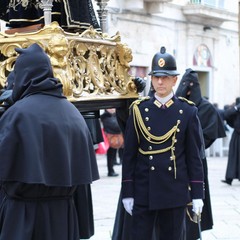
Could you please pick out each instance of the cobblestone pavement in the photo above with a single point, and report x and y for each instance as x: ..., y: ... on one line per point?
x: 225, y: 202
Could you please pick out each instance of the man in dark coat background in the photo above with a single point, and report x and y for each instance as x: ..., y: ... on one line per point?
x: 232, y: 117
x: 47, y: 154
x: 111, y: 126
x: 213, y: 128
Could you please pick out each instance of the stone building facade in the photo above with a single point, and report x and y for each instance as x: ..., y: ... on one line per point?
x: 201, y: 34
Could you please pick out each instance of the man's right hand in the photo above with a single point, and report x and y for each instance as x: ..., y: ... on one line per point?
x: 140, y: 84
x: 128, y: 204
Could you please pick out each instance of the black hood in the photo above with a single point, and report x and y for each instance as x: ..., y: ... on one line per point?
x: 190, y: 84
x: 33, y: 73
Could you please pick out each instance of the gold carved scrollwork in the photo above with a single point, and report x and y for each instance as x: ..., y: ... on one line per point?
x: 90, y: 65
x: 59, y: 51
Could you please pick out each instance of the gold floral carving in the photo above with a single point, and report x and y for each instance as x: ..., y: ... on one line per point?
x: 90, y: 65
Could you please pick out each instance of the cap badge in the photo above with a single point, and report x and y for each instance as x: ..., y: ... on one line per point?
x: 161, y: 62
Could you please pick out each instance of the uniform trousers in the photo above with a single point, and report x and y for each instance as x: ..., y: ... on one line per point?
x: 169, y: 221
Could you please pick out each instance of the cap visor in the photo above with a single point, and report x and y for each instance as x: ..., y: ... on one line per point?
x: 166, y: 73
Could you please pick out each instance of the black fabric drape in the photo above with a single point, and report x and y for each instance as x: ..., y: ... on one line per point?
x: 73, y: 15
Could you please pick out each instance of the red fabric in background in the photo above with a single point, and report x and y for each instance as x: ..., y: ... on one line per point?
x: 103, y: 146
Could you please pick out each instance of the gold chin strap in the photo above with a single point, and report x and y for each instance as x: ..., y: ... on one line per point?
x: 139, y: 124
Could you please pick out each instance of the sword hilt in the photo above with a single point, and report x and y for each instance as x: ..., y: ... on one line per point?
x: 197, y: 217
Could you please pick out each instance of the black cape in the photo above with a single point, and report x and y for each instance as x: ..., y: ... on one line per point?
x: 213, y: 128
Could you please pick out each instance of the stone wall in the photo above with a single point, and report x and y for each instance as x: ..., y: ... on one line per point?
x: 216, y: 49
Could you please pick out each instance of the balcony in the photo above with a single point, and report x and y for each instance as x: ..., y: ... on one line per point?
x: 151, y: 6
x: 155, y: 6
x: 211, y: 12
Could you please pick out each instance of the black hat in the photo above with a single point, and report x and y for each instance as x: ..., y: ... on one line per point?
x: 163, y: 64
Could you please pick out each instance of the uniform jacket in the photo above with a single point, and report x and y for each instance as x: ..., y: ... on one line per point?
x: 153, y: 178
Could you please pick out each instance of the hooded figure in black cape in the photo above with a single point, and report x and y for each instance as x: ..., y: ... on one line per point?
x: 46, y: 155
x: 213, y: 128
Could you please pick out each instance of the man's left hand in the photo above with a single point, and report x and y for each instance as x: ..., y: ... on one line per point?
x: 197, y: 206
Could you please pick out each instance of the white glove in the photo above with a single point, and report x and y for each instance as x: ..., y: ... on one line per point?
x: 197, y: 206
x: 128, y: 204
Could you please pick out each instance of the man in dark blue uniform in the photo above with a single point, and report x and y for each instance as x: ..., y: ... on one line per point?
x: 162, y: 169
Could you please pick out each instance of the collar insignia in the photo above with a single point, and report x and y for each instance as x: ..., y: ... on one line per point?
x: 157, y: 103
x: 169, y: 103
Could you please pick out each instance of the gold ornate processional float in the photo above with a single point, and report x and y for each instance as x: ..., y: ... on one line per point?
x: 93, y: 67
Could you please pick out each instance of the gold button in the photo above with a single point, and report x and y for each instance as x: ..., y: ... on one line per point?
x: 150, y: 148
x: 181, y: 111
x: 152, y: 168
x: 146, y: 109
x: 178, y: 130
x: 147, y: 118
x: 148, y: 128
x: 150, y: 157
x: 169, y: 168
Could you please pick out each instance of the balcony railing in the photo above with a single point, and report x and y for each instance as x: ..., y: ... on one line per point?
x: 210, y: 3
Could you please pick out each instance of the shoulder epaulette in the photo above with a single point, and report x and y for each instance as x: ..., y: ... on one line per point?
x: 138, y: 101
x: 186, y: 100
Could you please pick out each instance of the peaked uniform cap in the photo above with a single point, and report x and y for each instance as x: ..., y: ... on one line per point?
x: 163, y: 64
